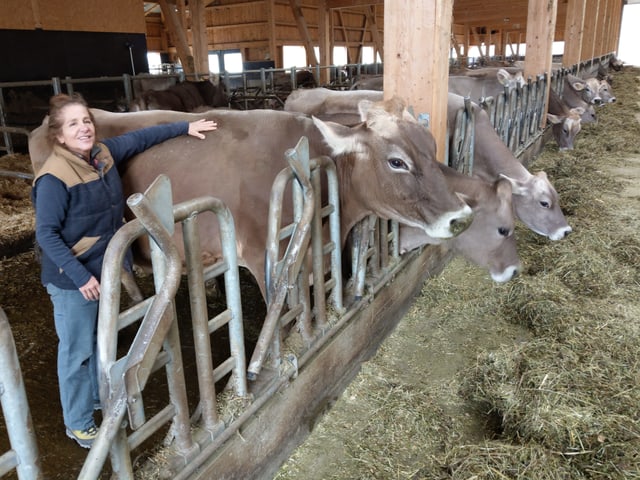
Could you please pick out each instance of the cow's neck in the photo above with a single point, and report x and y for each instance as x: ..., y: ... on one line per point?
x: 492, y: 157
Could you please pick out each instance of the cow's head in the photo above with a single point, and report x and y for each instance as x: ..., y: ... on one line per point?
x: 509, y: 80
x: 490, y: 241
x: 606, y: 93
x: 388, y: 165
x: 537, y: 205
x: 566, y: 127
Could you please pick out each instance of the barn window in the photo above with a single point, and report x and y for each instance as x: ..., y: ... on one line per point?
x: 155, y: 62
x: 367, y: 55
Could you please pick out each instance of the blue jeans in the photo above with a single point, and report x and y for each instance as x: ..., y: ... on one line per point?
x: 76, y: 323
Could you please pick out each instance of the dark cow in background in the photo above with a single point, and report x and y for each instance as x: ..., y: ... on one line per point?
x: 187, y: 96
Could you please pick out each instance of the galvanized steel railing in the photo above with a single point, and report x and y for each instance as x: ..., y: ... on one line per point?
x: 157, y: 344
x: 23, y: 456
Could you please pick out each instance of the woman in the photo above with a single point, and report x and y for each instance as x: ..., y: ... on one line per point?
x: 79, y: 206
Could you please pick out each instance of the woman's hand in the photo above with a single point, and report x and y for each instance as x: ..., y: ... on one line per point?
x: 201, y: 126
x: 91, y: 289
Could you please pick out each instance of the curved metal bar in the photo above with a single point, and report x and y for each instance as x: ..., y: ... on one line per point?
x: 23, y: 455
x: 289, y: 267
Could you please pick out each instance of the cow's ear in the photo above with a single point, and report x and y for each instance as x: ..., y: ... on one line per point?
x: 503, y: 76
x: 363, y: 108
x: 578, y: 85
x: 504, y: 188
x: 338, y: 137
x: 472, y: 202
x: 517, y: 187
x: 578, y: 111
x: 553, y: 118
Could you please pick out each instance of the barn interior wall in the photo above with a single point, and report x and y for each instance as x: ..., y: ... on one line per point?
x: 40, y: 39
x: 41, y: 54
x: 246, y: 26
x: 123, y: 16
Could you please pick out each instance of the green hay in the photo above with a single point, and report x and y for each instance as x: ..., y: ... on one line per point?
x: 559, y: 402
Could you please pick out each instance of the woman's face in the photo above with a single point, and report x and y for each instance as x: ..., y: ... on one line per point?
x: 78, y: 132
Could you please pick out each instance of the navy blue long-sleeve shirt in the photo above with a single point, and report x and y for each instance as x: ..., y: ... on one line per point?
x: 79, y: 205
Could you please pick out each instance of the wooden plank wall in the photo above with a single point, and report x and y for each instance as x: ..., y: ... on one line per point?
x: 116, y: 16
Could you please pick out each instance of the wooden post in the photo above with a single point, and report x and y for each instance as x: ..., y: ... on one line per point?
x: 541, y: 26
x: 590, y: 23
x: 325, y: 34
x: 304, y: 32
x: 178, y: 36
x: 601, y: 22
x: 273, y: 52
x: 573, y: 31
x: 416, y: 44
x: 616, y: 22
x: 375, y: 34
x: 199, y: 40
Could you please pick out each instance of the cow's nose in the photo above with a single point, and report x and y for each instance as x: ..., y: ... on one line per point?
x: 612, y: 100
x: 597, y: 101
x: 459, y: 225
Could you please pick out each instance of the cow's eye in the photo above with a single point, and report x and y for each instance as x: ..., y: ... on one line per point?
x: 398, y: 164
x: 503, y: 231
x: 544, y: 204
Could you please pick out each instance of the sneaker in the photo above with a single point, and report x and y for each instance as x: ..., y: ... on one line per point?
x: 84, y: 438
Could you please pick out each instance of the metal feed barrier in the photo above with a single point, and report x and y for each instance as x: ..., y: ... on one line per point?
x: 156, y: 343
x: 23, y: 456
x: 274, y: 364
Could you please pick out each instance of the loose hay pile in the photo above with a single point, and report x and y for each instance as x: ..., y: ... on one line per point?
x: 16, y: 210
x: 553, y: 390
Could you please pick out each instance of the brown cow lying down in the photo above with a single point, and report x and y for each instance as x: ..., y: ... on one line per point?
x: 186, y: 96
x: 386, y: 167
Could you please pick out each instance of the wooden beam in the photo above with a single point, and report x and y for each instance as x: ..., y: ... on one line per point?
x: 178, y: 36
x: 590, y: 23
x: 375, y: 35
x: 304, y: 32
x: 271, y: 19
x: 617, y: 22
x: 573, y: 32
x: 541, y: 25
x: 416, y: 49
x: 333, y: 4
x: 199, y: 39
x: 601, y: 21
x: 325, y: 34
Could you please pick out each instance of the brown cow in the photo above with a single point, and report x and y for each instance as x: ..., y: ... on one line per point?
x: 385, y: 167
x: 489, y: 242
x: 577, y: 94
x: 534, y: 198
x: 566, y: 121
x: 483, y: 83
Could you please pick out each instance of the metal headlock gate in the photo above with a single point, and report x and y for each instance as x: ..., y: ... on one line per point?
x: 333, y: 332
x: 157, y: 345
x: 23, y: 456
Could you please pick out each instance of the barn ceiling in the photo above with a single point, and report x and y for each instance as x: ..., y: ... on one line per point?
x: 483, y: 15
